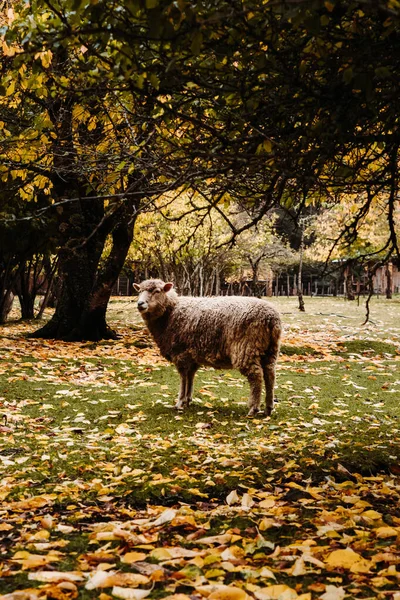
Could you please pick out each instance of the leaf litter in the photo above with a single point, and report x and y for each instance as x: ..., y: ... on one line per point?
x: 106, y: 493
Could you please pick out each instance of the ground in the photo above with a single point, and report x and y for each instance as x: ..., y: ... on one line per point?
x: 107, y: 492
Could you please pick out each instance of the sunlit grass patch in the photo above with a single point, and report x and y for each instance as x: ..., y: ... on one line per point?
x: 328, y: 413
x: 372, y: 348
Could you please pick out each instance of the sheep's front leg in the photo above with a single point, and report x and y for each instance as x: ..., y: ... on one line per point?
x: 254, y: 374
x: 182, y: 397
x: 186, y: 386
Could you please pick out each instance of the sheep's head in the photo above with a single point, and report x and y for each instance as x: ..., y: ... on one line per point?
x: 154, y: 298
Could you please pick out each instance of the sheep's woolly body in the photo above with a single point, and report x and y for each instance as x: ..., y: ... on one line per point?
x: 222, y: 332
x: 219, y: 332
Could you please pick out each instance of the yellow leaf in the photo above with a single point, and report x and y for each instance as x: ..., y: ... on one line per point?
x: 131, y: 557
x: 177, y: 597
x: 197, y: 492
x: 104, y: 579
x: 161, y: 554
x: 267, y: 503
x: 361, y: 566
x: 213, y: 574
x: 372, y: 514
x: 267, y: 573
x: 41, y: 535
x: 223, y: 538
x: 165, y: 517
x: 232, y: 553
x: 10, y: 89
x: 386, y: 532
x: 247, y: 501
x: 222, y: 592
x: 31, y: 561
x: 265, y: 146
x: 92, y: 123
x: 277, y: 592
x: 53, y: 576
x: 333, y: 593
x: 343, y: 559
x: 329, y: 6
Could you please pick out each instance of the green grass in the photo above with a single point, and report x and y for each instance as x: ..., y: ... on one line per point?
x: 327, y: 412
x: 91, y: 430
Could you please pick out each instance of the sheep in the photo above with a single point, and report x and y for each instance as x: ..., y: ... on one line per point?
x: 223, y: 332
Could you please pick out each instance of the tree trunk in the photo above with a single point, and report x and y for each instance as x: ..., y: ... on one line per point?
x: 93, y: 323
x: 300, y: 273
x: 389, y: 280
x: 82, y: 242
x: 50, y: 293
x: 86, y: 289
x: 6, y: 305
x: 25, y: 287
x: 348, y: 278
x: 78, y: 273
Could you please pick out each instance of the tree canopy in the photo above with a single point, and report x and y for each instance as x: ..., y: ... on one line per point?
x: 107, y: 106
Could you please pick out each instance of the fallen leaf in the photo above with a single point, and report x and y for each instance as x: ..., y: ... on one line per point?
x: 333, y: 593
x: 343, y: 559
x: 232, y: 498
x: 223, y: 538
x: 52, y: 576
x: 276, y: 592
x: 102, y: 579
x: 222, y: 592
x: 165, y: 517
x: 386, y: 532
x: 129, y: 593
x: 132, y: 557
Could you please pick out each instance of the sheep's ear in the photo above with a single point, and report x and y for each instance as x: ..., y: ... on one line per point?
x: 136, y: 286
x: 168, y: 286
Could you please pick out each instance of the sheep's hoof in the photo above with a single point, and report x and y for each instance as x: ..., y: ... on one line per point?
x: 181, y: 405
x: 268, y: 411
x: 252, y: 412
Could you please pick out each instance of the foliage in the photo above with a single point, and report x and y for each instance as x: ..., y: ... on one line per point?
x: 372, y: 231
x: 187, y: 243
x: 183, y: 242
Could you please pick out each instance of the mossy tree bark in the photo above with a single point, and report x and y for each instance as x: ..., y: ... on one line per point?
x: 86, y: 284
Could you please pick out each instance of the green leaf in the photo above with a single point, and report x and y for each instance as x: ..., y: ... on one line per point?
x: 348, y: 75
x: 264, y: 147
x: 197, y: 42
x: 383, y: 72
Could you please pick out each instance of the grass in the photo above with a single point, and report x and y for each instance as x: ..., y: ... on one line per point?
x: 71, y: 409
x: 90, y: 429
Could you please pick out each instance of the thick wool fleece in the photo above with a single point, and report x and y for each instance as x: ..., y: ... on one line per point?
x: 222, y: 332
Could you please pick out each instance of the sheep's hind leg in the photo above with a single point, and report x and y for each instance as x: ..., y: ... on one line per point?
x: 189, y: 384
x: 254, y: 374
x: 269, y: 380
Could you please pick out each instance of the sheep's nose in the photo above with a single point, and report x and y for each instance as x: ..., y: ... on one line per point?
x: 141, y: 304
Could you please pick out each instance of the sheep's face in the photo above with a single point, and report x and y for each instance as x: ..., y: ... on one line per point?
x: 152, y: 301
